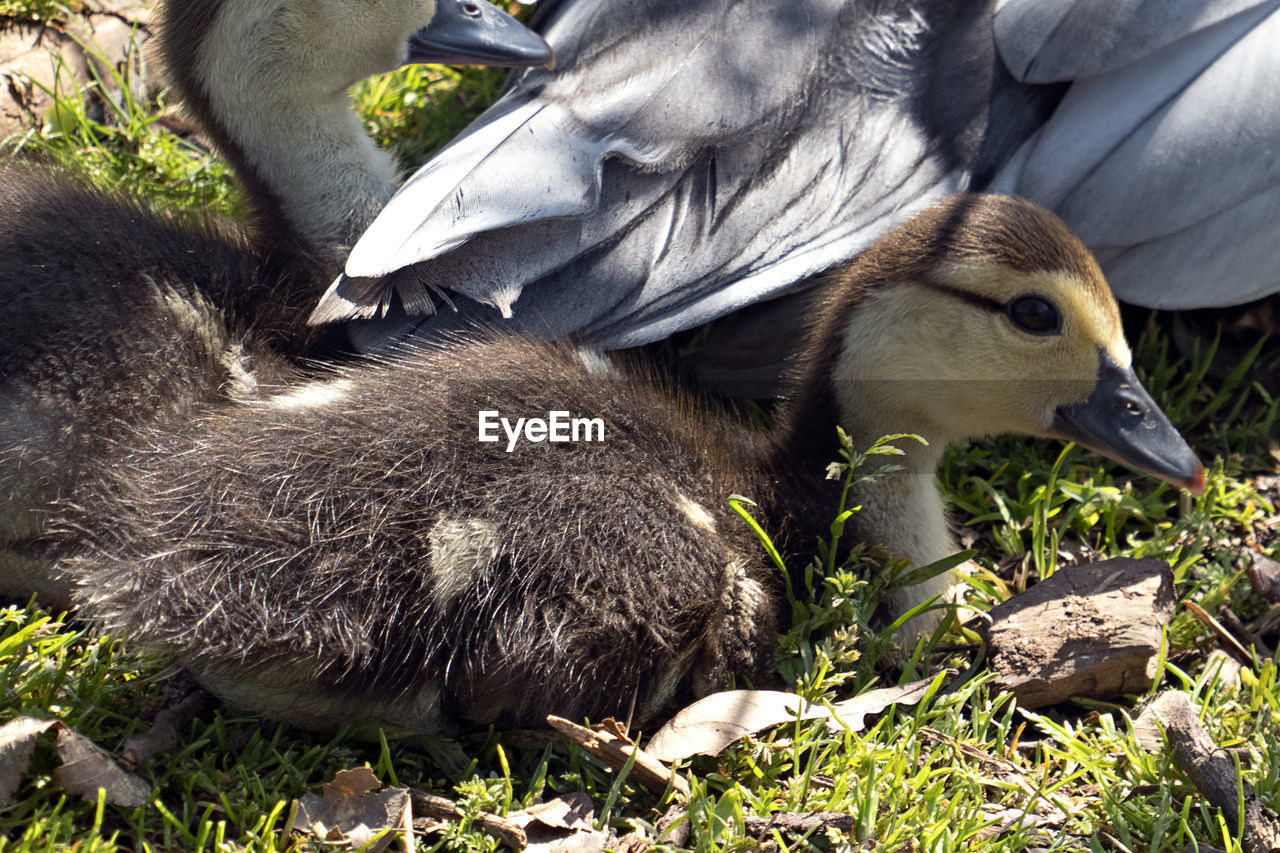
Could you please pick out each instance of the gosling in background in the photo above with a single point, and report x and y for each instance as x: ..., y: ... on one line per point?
x: 117, y: 317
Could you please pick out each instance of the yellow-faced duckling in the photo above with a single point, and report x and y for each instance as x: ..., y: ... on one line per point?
x: 501, y: 528
x: 117, y: 316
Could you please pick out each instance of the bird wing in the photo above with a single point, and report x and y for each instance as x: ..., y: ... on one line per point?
x: 1162, y: 154
x: 688, y: 158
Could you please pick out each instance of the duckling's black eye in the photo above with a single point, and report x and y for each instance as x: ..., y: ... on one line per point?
x: 1036, y: 315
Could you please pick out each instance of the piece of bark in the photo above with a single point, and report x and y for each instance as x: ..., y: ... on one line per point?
x: 612, y: 746
x: 1090, y: 630
x: 1213, y: 773
x: 1264, y: 577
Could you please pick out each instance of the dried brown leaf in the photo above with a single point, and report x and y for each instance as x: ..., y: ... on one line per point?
x: 572, y: 811
x: 17, y: 742
x: 87, y: 767
x: 350, y: 813
x: 709, y: 725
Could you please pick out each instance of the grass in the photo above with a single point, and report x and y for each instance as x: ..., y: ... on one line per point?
x: 35, y: 12
x: 944, y: 775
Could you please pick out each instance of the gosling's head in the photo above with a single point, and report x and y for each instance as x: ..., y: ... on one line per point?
x: 983, y: 315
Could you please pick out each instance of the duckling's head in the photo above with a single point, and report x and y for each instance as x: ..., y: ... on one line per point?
x: 983, y: 315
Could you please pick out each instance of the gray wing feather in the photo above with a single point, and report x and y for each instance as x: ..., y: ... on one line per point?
x: 1166, y: 167
x: 1049, y: 41
x: 630, y: 195
x: 691, y: 157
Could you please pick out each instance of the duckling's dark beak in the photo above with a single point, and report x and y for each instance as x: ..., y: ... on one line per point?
x: 1121, y: 421
x: 473, y: 32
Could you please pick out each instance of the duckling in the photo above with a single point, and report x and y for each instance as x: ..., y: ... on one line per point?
x: 371, y: 546
x: 624, y: 197
x: 117, y: 316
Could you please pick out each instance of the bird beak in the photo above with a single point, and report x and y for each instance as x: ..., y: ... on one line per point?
x: 473, y: 32
x: 1121, y: 421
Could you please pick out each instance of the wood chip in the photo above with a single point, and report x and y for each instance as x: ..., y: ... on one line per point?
x: 612, y: 746
x: 1091, y: 630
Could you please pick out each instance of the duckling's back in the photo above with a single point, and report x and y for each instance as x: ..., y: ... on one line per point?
x: 354, y: 536
x: 111, y: 321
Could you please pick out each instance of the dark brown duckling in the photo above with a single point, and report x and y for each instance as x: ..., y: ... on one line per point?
x: 118, y: 317
x: 355, y: 550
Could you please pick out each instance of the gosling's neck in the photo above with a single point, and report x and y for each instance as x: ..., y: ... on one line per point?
x: 851, y: 379
x: 281, y: 116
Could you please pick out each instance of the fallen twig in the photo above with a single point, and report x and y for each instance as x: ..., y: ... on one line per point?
x: 1225, y: 637
x: 1214, y: 774
x: 430, y: 810
x: 612, y: 746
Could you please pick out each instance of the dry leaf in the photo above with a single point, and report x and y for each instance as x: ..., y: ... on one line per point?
x: 572, y: 811
x: 562, y: 825
x: 87, y: 767
x: 346, y: 814
x: 709, y: 725
x: 17, y: 742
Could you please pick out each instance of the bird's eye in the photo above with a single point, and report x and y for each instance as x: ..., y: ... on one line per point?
x: 471, y: 10
x: 1036, y: 315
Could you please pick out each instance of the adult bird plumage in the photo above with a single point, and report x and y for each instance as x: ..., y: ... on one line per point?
x: 633, y: 192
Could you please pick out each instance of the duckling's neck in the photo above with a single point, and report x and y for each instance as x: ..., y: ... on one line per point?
x: 846, y: 384
x: 286, y: 124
